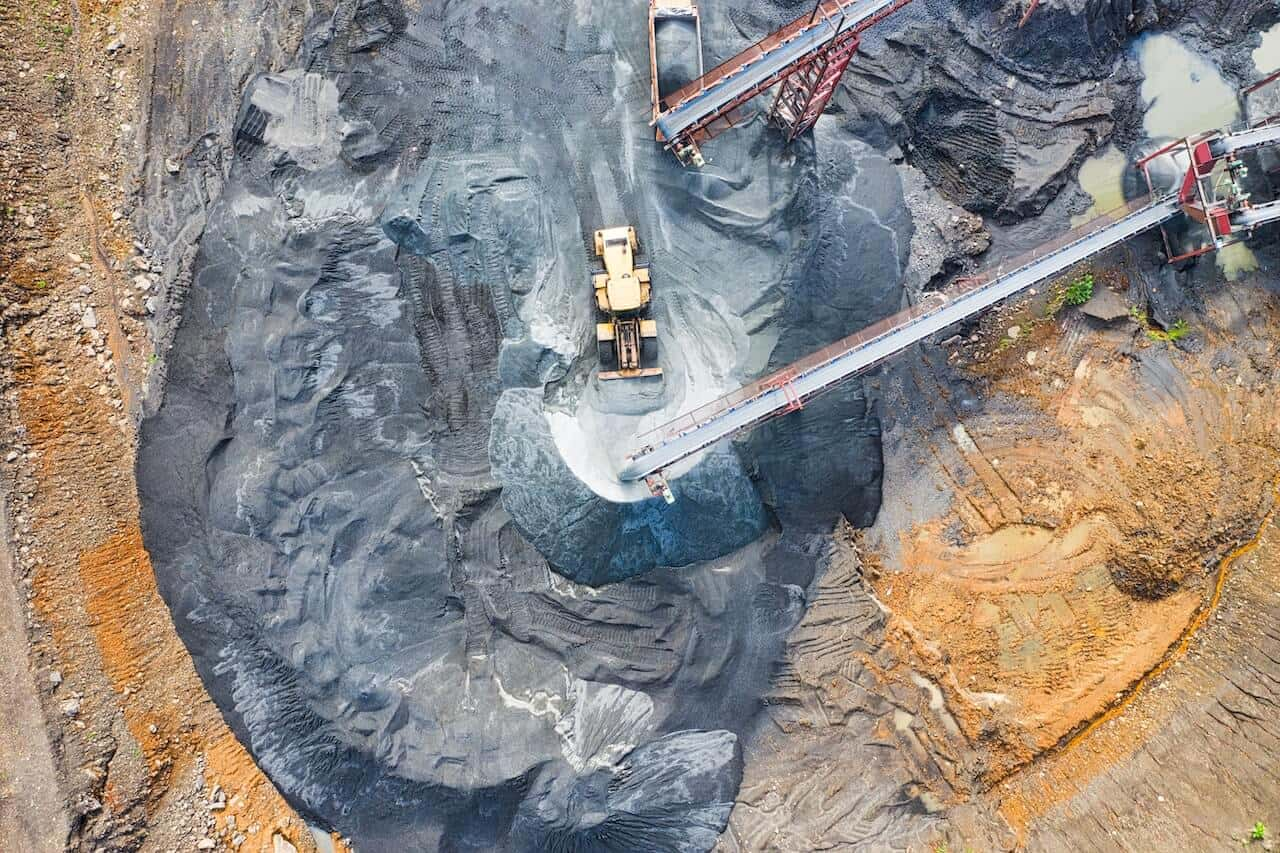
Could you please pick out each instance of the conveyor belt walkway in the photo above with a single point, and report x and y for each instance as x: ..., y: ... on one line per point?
x: 1262, y: 136
x: 785, y: 390
x: 704, y: 107
x: 1260, y: 214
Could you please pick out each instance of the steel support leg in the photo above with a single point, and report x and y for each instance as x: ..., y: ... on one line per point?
x: 804, y: 95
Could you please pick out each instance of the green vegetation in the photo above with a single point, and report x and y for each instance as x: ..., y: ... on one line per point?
x: 1259, y: 832
x: 1175, y: 332
x: 1079, y: 291
x: 1076, y: 292
x: 1178, y: 330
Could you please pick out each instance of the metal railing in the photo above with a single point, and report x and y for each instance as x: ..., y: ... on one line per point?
x: 822, y: 16
x: 891, y: 325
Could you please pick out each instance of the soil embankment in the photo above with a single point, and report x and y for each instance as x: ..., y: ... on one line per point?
x: 137, y: 755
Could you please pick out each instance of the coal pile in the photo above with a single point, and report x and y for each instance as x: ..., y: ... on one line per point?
x: 379, y: 491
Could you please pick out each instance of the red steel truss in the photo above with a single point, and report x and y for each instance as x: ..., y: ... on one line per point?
x: 804, y: 95
x: 829, y: 61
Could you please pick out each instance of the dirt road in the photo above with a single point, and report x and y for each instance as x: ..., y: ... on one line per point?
x: 31, y: 813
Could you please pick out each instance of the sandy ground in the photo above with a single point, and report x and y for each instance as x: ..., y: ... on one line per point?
x: 1067, y: 594
x: 1082, y: 555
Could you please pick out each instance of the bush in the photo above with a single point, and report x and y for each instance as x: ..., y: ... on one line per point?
x: 1259, y: 832
x: 1178, y: 330
x: 1080, y: 291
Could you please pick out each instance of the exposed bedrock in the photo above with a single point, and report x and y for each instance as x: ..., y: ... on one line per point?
x: 1063, y: 41
x: 672, y: 794
x: 994, y: 120
x: 999, y: 116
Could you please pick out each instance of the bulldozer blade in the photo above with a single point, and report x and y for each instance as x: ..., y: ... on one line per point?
x: 638, y: 373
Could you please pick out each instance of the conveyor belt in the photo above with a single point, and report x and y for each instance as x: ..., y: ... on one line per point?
x: 762, y: 63
x: 1245, y: 140
x: 1252, y: 217
x: 686, y: 436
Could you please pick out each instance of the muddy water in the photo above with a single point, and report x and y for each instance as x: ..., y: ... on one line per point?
x: 1184, y: 93
x: 1102, y: 177
x: 1266, y: 56
x: 1236, y: 260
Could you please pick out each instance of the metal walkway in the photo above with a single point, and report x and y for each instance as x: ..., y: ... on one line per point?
x: 787, y: 389
x: 1245, y: 140
x: 1252, y: 217
x: 688, y: 112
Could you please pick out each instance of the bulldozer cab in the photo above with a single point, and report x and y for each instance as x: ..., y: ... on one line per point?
x: 616, y: 246
x: 622, y: 288
x: 624, y: 294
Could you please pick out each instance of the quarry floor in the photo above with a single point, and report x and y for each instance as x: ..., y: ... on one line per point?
x: 1174, y: 729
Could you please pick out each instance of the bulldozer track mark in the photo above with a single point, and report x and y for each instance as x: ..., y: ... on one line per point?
x: 495, y: 271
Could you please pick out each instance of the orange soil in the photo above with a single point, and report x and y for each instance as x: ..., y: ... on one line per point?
x: 1068, y: 574
x: 1116, y: 733
x: 108, y: 631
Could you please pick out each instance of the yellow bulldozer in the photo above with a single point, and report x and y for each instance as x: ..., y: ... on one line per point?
x: 628, y: 341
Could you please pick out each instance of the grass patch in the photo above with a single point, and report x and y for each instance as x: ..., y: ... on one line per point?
x: 1076, y: 292
x: 1079, y: 291
x: 1175, y: 332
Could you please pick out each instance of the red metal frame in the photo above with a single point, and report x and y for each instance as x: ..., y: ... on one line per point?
x: 696, y: 17
x: 804, y: 95
x: 1270, y: 78
x: 1026, y: 16
x: 1191, y: 195
x: 1249, y: 90
x: 783, y: 381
